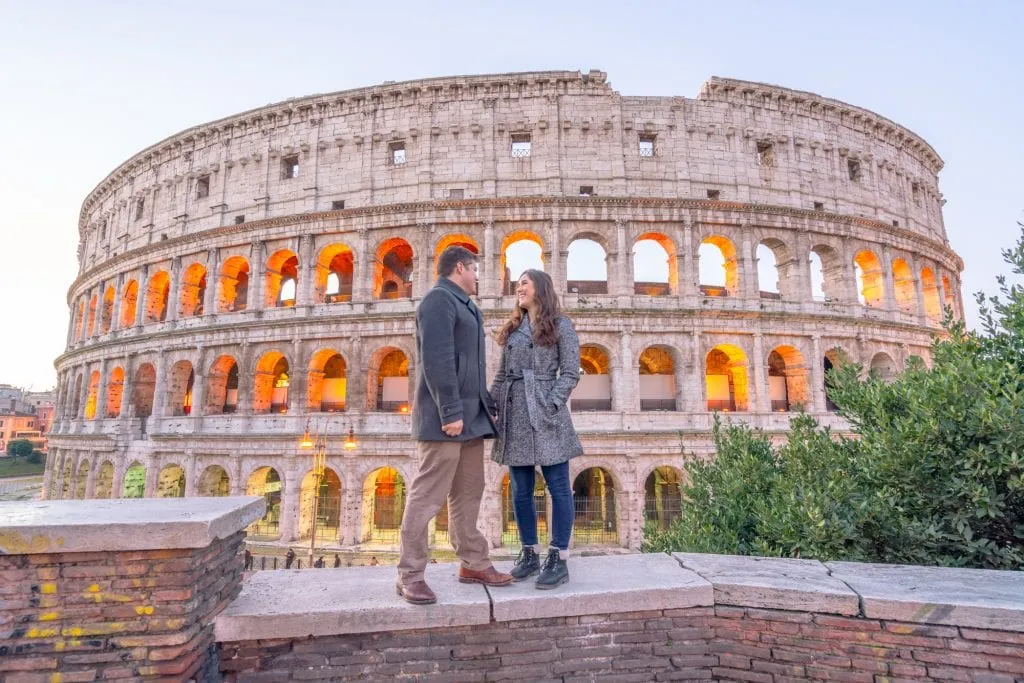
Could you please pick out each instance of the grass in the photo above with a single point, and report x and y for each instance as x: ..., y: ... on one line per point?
x: 19, y: 467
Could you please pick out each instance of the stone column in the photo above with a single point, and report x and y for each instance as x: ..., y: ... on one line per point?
x: 749, y: 286
x: 362, y: 268
x: 687, y: 271
x: 160, y: 386
x: 90, y: 480
x: 817, y: 375
x: 297, y: 383
x: 212, y: 279
x: 762, y: 398
x: 257, y: 267
x: 918, y: 288
x: 175, y: 293
x: 126, y: 387
x: 83, y: 395
x: 290, y: 507
x: 890, y: 289
x: 246, y: 379
x: 101, y: 392
x: 693, y: 395
x: 624, y: 400
x: 115, y: 314
x: 849, y: 270
x: 423, y: 261
x: 623, y: 281
x: 940, y: 289
x: 304, y: 286
x: 489, y: 283
x: 556, y: 259
x: 140, y: 300
x: 199, y: 383
x: 355, y: 377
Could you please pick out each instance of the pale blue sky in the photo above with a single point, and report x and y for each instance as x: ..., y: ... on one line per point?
x: 85, y: 85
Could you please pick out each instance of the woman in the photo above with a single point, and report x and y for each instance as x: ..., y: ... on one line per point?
x: 540, y: 366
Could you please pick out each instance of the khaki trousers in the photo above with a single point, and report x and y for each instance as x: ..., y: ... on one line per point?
x: 452, y: 470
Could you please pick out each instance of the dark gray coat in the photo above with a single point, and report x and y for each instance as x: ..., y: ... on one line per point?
x: 451, y: 377
x: 531, y: 390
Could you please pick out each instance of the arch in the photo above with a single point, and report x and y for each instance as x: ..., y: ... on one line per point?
x: 717, y: 266
x: 654, y: 255
x: 129, y: 304
x: 388, y: 381
x: 271, y: 384
x: 266, y: 482
x: 93, y: 396
x: 170, y: 482
x: 663, y: 497
x: 143, y: 385
x: 327, y: 384
x: 327, y: 503
x: 81, y: 480
x: 214, y: 482
x: 521, y: 250
x: 393, y: 270
x: 883, y: 366
x: 593, y: 492
x: 947, y: 289
x: 193, y: 291
x: 453, y: 240
x: 788, y: 388
x: 233, y: 285
x: 333, y: 277
x: 222, y: 387
x: 157, y: 293
x: 179, y: 388
x: 107, y: 310
x: 383, y: 506
x: 725, y: 374
x: 65, y: 480
x: 903, y: 286
x: 586, y: 266
x: 115, y: 392
x: 930, y: 291
x: 870, y: 282
x: 79, y: 324
x: 134, y: 481
x: 280, y: 280
x: 104, y: 487
x: 594, y: 391
x: 778, y: 273
x: 509, y: 526
x: 657, y: 379
x: 91, y: 326
x: 834, y: 357
x: 826, y: 269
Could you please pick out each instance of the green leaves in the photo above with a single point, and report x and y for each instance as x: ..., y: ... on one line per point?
x: 933, y: 475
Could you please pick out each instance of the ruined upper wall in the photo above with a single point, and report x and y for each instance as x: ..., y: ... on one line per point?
x: 457, y: 135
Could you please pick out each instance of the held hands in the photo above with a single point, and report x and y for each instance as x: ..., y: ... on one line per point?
x: 452, y: 429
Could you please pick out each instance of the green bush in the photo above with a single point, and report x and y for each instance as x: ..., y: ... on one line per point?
x: 20, y: 448
x: 933, y: 475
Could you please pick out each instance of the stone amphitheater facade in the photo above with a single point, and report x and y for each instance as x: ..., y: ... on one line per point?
x: 252, y: 278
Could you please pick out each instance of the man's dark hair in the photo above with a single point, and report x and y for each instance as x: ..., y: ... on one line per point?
x: 452, y: 256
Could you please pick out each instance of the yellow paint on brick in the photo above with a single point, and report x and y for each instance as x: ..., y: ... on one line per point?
x: 59, y: 646
x: 13, y: 543
x: 49, y: 616
x: 95, y: 588
x: 55, y: 678
x: 93, y: 629
x: 48, y: 601
x: 144, y: 610
x: 901, y: 629
x: 42, y: 632
x: 47, y: 588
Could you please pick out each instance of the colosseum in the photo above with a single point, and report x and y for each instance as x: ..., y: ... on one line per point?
x: 252, y: 280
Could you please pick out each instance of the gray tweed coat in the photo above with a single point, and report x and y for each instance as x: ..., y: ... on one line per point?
x: 531, y: 390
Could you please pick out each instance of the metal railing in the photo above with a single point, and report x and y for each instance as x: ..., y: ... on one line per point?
x: 661, y: 511
x: 392, y: 406
x: 722, y: 405
x: 595, y: 520
x: 657, y: 404
x: 332, y: 406
x: 509, y: 527
x: 591, y: 404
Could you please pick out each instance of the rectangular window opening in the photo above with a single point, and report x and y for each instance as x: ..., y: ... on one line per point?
x: 915, y: 190
x: 521, y: 145
x: 647, y: 145
x: 853, y: 168
x: 766, y: 155
x: 714, y: 194
x: 103, y: 230
x: 140, y: 207
x: 239, y: 219
x: 202, y: 186
x: 337, y: 205
x: 397, y: 150
x: 895, y: 223
x: 819, y: 206
x: 586, y: 190
x: 290, y: 167
x: 456, y: 193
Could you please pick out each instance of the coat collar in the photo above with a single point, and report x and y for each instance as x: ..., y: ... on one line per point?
x: 453, y: 288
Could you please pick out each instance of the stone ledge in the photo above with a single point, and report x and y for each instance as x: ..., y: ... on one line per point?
x: 977, y: 598
x: 124, y: 525
x: 325, y: 602
x: 773, y: 583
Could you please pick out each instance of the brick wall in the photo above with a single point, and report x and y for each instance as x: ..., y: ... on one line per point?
x: 700, y: 643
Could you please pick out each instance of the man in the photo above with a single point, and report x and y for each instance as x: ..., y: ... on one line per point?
x: 451, y: 418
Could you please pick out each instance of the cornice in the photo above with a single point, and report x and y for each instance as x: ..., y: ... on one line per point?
x: 328, y: 219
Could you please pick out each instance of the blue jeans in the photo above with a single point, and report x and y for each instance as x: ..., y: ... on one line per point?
x: 557, y: 478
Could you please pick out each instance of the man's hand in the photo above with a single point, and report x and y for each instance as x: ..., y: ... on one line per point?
x: 452, y: 429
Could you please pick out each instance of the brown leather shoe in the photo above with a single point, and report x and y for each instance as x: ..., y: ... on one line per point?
x: 488, y: 577
x: 417, y: 593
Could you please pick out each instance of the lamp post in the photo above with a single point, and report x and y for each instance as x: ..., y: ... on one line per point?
x: 318, y: 444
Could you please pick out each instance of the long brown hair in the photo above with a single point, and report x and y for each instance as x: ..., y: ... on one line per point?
x: 545, y: 328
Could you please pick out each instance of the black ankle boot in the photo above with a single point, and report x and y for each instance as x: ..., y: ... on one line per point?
x: 554, y: 573
x: 527, y: 564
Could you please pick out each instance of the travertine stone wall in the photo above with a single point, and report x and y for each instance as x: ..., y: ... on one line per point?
x: 212, y: 252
